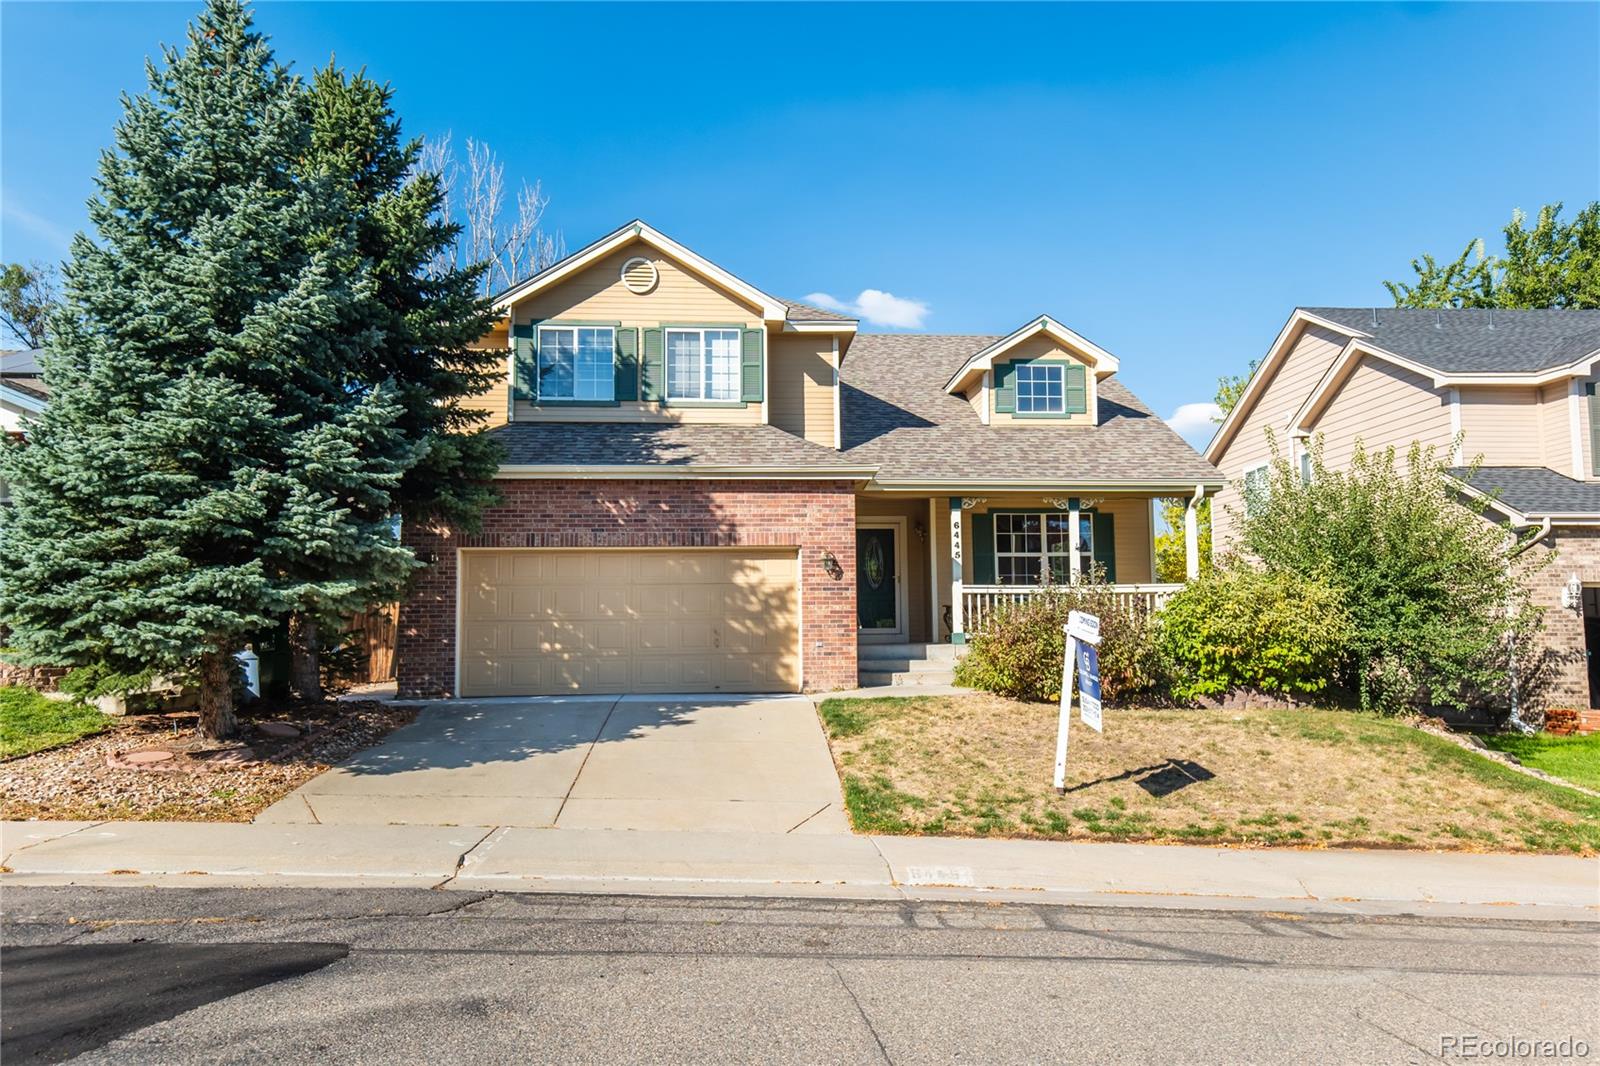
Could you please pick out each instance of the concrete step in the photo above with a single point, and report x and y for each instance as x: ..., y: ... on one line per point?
x: 870, y: 678
x: 902, y: 663
x: 942, y: 652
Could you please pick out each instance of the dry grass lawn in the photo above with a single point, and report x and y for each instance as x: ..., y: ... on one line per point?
x: 981, y: 766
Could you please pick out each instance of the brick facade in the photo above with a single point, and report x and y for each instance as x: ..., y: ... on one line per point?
x: 1564, y: 680
x: 815, y: 516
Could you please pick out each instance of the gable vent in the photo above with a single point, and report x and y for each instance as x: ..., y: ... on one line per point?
x: 639, y: 275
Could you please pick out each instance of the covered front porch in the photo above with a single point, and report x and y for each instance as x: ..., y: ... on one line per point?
x: 929, y: 568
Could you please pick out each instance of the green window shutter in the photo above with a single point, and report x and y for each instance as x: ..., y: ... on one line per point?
x: 1594, y: 429
x: 1105, y: 544
x: 1005, y: 392
x: 1077, y: 389
x: 981, y: 530
x: 653, y: 374
x: 750, y: 365
x: 627, y: 365
x: 525, y: 364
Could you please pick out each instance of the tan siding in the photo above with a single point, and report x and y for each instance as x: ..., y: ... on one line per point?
x: 800, y: 391
x: 495, y: 402
x: 1555, y: 434
x: 680, y: 297
x: 597, y: 293
x: 1132, y: 527
x: 1382, y: 405
x: 976, y: 396
x: 1279, y: 398
x: 1045, y: 347
x: 1588, y: 471
x: 1502, y: 424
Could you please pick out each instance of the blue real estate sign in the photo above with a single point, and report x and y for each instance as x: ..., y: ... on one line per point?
x: 1089, y: 685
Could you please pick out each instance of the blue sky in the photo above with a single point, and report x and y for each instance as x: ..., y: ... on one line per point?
x: 1167, y: 180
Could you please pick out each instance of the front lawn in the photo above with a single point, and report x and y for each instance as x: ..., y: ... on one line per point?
x: 1577, y: 759
x: 29, y: 722
x: 981, y: 766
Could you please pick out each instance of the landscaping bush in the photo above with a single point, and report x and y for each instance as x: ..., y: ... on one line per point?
x: 1435, y: 604
x: 1017, y: 650
x: 1238, y: 628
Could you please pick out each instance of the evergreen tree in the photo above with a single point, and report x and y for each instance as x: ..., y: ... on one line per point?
x: 409, y: 336
x: 203, y: 439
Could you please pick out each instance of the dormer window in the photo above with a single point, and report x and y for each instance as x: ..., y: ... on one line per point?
x: 1041, y: 389
x: 575, y: 363
x: 702, y: 364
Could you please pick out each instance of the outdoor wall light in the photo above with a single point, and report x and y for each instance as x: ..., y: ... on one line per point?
x: 922, y: 532
x: 831, y: 564
x: 1572, y: 593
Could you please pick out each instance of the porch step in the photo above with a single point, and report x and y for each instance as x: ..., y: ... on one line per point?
x: 943, y: 652
x: 877, y: 678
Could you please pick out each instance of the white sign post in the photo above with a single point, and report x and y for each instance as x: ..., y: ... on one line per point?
x: 1083, y: 642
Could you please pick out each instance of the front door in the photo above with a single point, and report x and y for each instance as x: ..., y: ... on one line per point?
x: 877, y: 582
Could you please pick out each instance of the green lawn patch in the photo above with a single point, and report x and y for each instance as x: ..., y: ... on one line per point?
x: 29, y: 722
x: 981, y: 766
x: 1577, y: 759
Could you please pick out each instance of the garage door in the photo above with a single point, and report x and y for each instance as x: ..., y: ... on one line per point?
x: 537, y: 622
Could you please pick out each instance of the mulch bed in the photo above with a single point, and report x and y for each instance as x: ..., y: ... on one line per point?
x: 156, y: 767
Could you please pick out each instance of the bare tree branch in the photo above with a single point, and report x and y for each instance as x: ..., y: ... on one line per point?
x: 510, y: 239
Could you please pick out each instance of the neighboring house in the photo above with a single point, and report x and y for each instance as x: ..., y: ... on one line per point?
x: 1517, y: 388
x: 711, y: 489
x: 22, y: 394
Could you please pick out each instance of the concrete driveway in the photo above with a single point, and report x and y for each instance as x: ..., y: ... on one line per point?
x: 636, y: 762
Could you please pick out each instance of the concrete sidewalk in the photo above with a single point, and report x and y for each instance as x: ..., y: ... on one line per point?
x: 764, y: 864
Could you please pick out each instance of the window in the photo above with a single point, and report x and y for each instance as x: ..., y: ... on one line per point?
x: 702, y: 364
x: 1256, y: 487
x: 575, y: 363
x: 1305, y: 468
x: 1041, y: 389
x: 1029, y: 546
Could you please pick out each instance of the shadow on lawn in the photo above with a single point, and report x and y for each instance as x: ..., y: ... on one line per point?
x: 1158, y: 779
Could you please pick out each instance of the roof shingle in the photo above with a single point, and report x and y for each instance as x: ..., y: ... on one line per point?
x: 1474, y: 340
x: 759, y: 447
x: 898, y: 417
x: 1534, y: 491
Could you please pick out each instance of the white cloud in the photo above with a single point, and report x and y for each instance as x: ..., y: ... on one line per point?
x: 876, y: 307
x: 1195, y: 422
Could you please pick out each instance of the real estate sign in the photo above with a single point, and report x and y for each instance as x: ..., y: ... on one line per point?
x: 1089, y: 686
x: 1083, y: 639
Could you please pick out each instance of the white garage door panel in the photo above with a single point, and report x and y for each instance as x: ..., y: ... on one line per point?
x: 704, y: 620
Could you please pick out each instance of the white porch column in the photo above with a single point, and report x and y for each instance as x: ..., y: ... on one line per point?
x: 958, y: 633
x: 1074, y: 542
x: 1191, y: 534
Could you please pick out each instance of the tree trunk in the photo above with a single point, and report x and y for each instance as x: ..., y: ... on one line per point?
x: 305, y: 654
x: 216, y: 695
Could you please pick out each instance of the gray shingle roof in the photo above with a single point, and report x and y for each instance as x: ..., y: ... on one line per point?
x: 1534, y: 490
x: 898, y: 417
x: 799, y: 312
x: 1472, y: 340
x: 672, y: 444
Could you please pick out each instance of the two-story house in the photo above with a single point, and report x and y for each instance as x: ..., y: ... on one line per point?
x: 1511, y: 390
x: 708, y: 488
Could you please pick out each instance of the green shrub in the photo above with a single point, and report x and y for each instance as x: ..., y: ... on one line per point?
x: 1017, y: 650
x: 91, y: 682
x: 1241, y: 628
x: 1435, y: 602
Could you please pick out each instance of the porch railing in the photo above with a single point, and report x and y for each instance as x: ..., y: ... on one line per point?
x: 978, y: 601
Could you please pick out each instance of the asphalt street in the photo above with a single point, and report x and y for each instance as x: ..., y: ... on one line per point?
x: 382, y: 976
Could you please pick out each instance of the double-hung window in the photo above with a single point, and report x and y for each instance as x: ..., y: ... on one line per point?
x: 1041, y: 389
x: 576, y: 363
x: 1029, y: 547
x: 1257, y: 487
x: 702, y: 364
